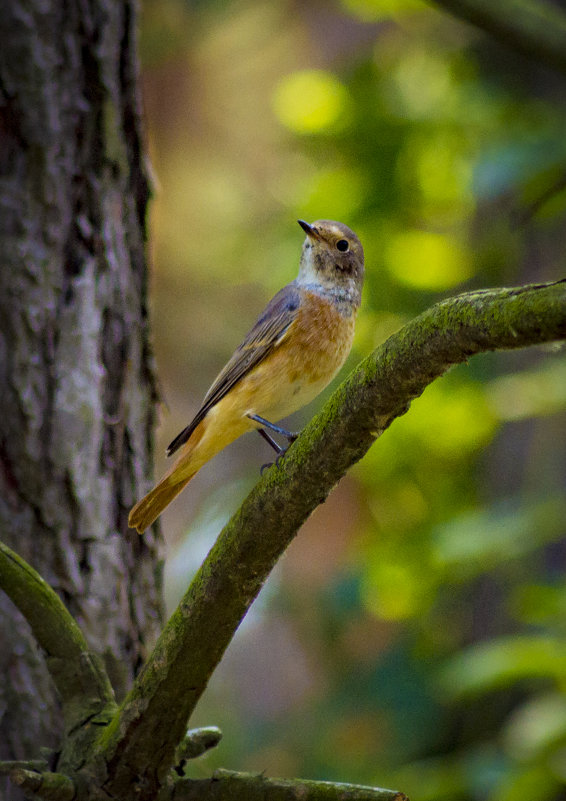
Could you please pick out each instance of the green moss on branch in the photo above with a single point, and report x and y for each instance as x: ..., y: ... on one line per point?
x: 230, y: 786
x: 379, y: 390
x: 78, y: 674
x: 46, y: 786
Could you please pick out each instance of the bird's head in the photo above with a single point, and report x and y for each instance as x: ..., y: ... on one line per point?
x: 333, y: 259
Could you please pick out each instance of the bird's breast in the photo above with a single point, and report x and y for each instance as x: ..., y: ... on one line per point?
x: 309, y: 356
x: 321, y: 338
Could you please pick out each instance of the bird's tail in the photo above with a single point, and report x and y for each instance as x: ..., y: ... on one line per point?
x: 146, y: 511
x: 191, y: 459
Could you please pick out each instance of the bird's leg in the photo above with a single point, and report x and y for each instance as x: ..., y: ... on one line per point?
x: 269, y: 439
x: 289, y: 435
x: 276, y: 447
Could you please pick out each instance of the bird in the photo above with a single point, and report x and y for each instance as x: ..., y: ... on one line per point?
x: 295, y: 348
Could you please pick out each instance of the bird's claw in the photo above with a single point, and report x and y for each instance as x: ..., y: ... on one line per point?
x: 267, y: 465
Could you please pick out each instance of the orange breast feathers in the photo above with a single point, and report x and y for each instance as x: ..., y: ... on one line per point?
x: 306, y: 359
x: 310, y: 354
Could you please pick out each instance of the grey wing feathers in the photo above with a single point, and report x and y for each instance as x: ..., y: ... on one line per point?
x: 270, y: 327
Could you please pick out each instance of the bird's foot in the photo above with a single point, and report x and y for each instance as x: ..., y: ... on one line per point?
x: 277, y: 462
x: 290, y: 436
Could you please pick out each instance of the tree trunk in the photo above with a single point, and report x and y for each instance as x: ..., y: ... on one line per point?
x: 75, y: 379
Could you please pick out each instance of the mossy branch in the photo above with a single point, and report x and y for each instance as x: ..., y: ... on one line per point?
x: 226, y: 785
x: 196, y: 743
x: 46, y: 786
x: 157, y: 709
x: 37, y: 765
x: 534, y: 28
x: 80, y: 679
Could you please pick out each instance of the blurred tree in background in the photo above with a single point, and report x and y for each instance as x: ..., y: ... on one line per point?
x: 413, y: 636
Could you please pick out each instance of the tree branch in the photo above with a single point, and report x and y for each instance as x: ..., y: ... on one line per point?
x: 37, y: 765
x: 226, y: 785
x: 47, y: 786
x: 78, y: 674
x: 141, y: 740
x: 195, y: 743
x: 536, y: 29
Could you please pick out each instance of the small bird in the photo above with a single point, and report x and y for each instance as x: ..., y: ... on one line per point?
x: 296, y: 347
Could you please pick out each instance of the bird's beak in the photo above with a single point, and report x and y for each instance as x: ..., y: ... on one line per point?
x: 309, y: 230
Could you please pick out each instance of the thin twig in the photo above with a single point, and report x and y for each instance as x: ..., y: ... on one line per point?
x: 26, y: 764
x: 252, y: 787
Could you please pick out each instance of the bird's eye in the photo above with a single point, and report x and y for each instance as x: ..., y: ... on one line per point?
x: 343, y: 245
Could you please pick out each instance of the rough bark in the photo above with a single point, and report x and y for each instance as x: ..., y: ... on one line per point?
x: 76, y: 389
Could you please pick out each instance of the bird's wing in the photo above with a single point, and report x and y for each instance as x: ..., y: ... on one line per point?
x: 268, y: 332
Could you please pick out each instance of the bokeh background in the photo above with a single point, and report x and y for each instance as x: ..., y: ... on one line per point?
x: 413, y: 636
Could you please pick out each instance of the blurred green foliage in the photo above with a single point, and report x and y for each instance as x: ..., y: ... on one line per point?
x: 414, y: 635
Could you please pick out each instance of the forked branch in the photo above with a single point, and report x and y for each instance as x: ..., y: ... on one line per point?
x: 139, y: 745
